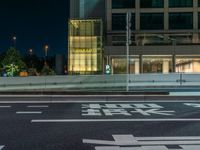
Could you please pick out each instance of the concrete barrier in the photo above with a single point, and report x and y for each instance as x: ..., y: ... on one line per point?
x: 99, y: 82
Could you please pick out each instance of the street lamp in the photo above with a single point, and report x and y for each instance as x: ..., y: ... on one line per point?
x: 31, y: 53
x: 14, y: 38
x: 46, y: 48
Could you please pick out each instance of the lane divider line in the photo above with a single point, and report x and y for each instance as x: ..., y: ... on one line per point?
x: 39, y: 106
x: 28, y: 112
x: 5, y: 106
x: 96, y: 101
x: 111, y: 120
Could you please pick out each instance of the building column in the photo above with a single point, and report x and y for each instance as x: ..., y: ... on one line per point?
x: 141, y: 63
x: 137, y: 15
x: 111, y: 63
x: 174, y: 63
x: 166, y: 18
x: 109, y: 14
x: 165, y: 66
x: 109, y: 21
x: 195, y: 38
x: 137, y: 67
x: 166, y: 15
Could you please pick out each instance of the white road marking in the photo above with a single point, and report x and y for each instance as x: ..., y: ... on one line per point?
x: 38, y: 106
x: 125, y: 139
x: 190, y: 147
x: 1, y: 147
x: 5, y: 106
x: 112, y: 120
x: 107, y: 148
x: 29, y: 112
x: 153, y: 143
x: 193, y: 105
x: 135, y: 148
x: 96, y: 101
x: 142, y: 143
x: 129, y: 142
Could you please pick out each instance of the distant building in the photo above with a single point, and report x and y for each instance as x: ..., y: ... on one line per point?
x: 59, y: 64
x: 165, y: 35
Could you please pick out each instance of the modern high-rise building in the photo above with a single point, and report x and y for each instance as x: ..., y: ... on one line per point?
x: 165, y: 36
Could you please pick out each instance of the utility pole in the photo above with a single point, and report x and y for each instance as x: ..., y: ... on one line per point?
x: 128, y: 43
x: 174, y: 55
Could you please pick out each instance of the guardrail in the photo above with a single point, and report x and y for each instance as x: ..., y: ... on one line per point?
x: 100, y: 82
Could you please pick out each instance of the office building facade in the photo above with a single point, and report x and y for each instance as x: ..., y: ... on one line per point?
x: 165, y: 34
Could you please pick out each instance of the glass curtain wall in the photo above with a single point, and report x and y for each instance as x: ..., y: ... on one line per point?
x: 119, y: 21
x: 151, y: 3
x: 181, y: 20
x: 180, y: 3
x: 199, y: 20
x: 152, y: 21
x: 157, y: 64
x: 119, y: 65
x: 85, y: 47
x: 118, y: 4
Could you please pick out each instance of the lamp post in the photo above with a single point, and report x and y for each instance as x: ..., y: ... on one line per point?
x: 46, y: 48
x: 128, y: 43
x: 31, y: 53
x: 14, y: 38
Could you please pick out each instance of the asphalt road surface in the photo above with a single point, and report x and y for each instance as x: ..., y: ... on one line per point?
x: 100, y: 126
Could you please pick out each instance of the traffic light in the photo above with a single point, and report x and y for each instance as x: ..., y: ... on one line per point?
x: 108, y: 69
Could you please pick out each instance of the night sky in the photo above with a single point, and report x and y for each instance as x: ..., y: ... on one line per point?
x: 34, y: 23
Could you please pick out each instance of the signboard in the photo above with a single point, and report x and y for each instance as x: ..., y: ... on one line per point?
x: 85, y: 50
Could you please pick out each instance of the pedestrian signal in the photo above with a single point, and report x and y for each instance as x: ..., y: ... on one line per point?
x: 108, y: 69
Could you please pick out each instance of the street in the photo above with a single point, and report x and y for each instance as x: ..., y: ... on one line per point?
x: 129, y: 125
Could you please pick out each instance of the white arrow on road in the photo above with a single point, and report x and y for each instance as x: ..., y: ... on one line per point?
x: 183, y: 147
x: 130, y: 140
x: 192, y: 104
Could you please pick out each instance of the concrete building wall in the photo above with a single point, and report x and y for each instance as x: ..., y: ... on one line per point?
x: 60, y: 61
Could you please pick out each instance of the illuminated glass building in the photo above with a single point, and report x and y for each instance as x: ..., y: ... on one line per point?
x: 165, y: 34
x: 85, y: 44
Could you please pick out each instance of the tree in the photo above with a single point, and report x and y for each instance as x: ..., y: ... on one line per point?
x: 13, y: 57
x: 47, y: 71
x: 32, y: 61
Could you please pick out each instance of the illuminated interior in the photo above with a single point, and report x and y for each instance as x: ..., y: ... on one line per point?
x: 85, y: 46
x: 188, y: 65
